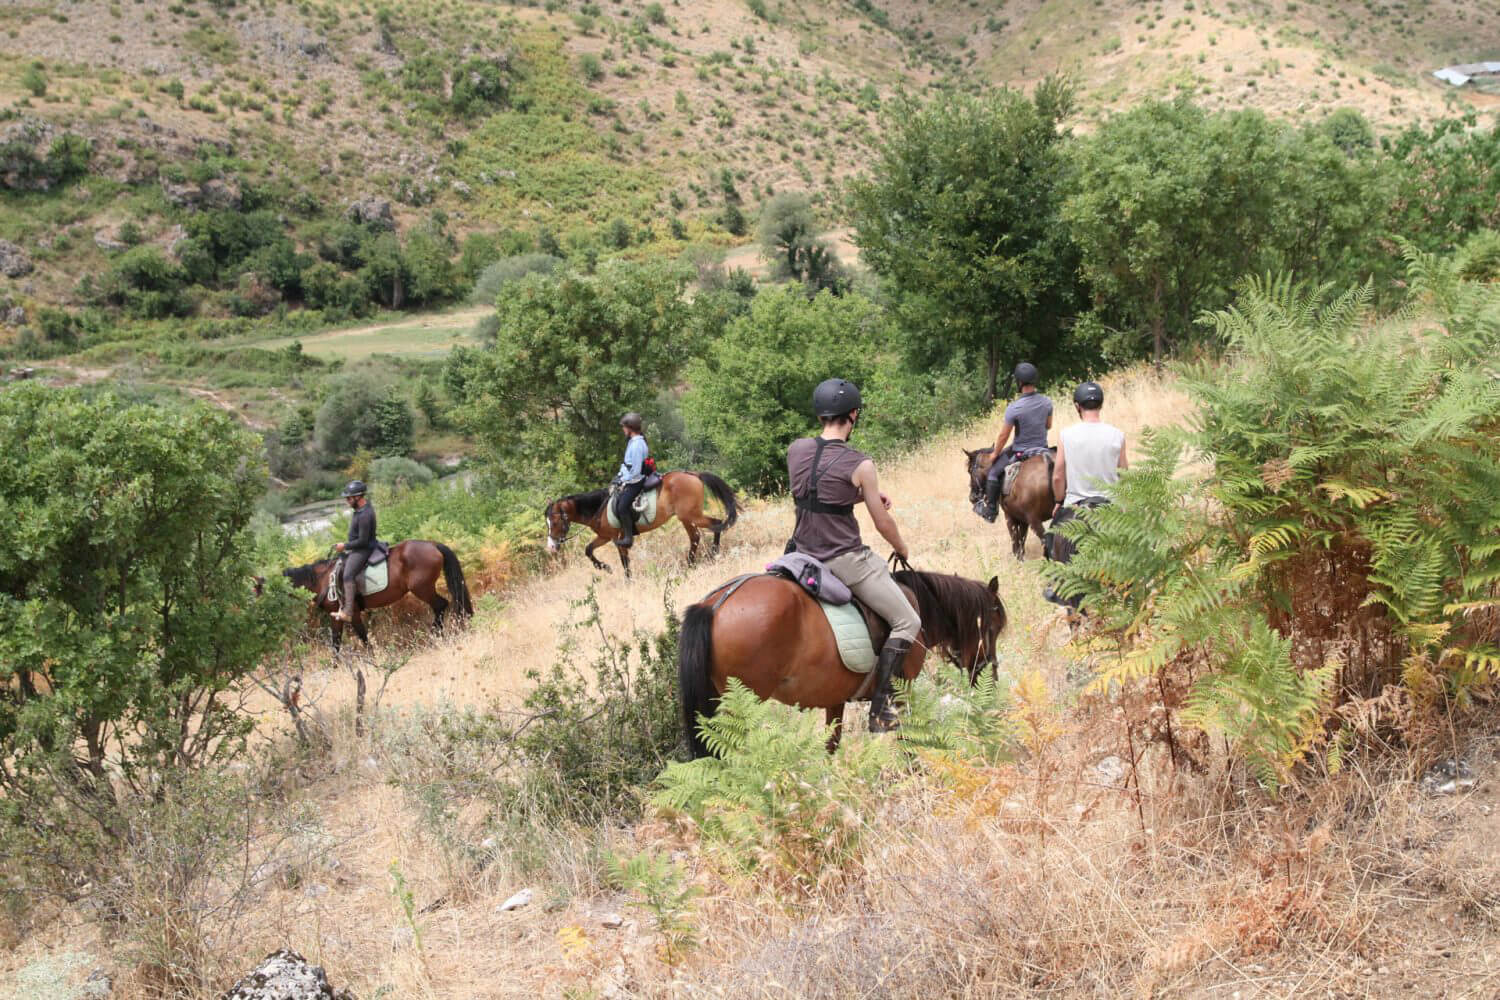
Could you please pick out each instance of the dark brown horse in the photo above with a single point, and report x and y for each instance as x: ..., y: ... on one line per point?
x: 414, y: 569
x: 1028, y: 505
x: 776, y: 640
x: 681, y: 496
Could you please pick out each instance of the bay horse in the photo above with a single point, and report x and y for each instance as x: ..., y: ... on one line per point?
x: 414, y: 569
x: 1028, y: 505
x: 681, y: 495
x: 772, y: 636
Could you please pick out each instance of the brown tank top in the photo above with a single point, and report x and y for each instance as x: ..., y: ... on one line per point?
x: 826, y: 525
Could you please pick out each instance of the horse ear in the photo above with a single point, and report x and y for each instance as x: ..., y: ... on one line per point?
x: 967, y: 452
x: 994, y: 585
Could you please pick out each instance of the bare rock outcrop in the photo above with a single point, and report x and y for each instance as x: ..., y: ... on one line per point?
x: 286, y: 975
x: 14, y: 262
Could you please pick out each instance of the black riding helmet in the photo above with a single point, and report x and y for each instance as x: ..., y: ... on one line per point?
x: 1089, y: 395
x: 835, y: 397
x: 354, y: 489
x: 1026, y: 374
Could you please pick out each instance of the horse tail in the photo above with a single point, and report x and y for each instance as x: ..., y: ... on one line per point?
x: 453, y: 576
x: 723, y: 494
x: 695, y: 674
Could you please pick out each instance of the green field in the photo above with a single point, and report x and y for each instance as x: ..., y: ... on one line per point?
x: 430, y: 335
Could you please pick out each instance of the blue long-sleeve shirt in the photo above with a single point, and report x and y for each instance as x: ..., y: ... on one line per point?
x: 633, y: 470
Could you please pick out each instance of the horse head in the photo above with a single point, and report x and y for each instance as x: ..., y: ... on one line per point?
x: 558, y: 515
x: 977, y: 468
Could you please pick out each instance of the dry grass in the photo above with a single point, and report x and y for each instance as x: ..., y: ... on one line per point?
x: 1047, y: 876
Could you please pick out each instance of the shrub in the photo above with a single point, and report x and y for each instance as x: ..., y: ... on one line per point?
x: 772, y: 799
x: 1347, y: 551
x: 363, y: 410
x: 34, y: 80
x: 497, y: 275
x: 591, y: 68
x: 125, y: 618
x: 398, y: 472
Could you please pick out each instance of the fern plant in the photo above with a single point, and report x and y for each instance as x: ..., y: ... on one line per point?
x: 773, y: 800
x: 948, y: 716
x: 1347, y: 526
x: 665, y: 894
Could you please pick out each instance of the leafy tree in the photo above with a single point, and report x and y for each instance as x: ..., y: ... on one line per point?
x: 362, y: 411
x: 789, y: 241
x: 1447, y: 182
x: 960, y: 215
x: 1172, y: 205
x: 751, y: 392
x: 126, y: 613
x: 573, y: 353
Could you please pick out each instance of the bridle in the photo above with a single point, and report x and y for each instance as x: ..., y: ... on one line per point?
x: 556, y: 544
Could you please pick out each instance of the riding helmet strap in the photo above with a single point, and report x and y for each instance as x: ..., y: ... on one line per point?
x: 808, y: 499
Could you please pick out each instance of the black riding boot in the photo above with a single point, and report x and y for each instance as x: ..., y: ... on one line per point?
x: 882, y: 715
x: 992, y: 497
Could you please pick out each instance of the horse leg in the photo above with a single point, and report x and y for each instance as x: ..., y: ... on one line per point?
x: 359, y: 627
x: 427, y: 593
x: 336, y: 634
x: 1017, y: 537
x: 692, y: 533
x: 835, y: 718
x: 588, y: 550
x: 624, y: 560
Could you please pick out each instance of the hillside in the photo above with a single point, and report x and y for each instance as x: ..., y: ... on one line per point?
x: 988, y: 889
x: 578, y: 117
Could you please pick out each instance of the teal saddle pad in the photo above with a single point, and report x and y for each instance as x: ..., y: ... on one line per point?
x: 852, y: 635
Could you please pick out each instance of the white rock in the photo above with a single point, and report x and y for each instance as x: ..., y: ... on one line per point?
x: 520, y: 899
x: 611, y: 920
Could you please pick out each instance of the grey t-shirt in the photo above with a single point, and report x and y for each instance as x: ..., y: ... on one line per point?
x: 1029, y: 413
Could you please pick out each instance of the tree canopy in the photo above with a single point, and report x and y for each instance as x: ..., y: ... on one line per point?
x: 960, y: 217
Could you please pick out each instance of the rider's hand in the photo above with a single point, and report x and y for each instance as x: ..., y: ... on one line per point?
x: 885, y: 501
x: 904, y: 553
x: 338, y: 547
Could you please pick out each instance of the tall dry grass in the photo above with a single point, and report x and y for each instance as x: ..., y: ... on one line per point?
x: 1053, y: 876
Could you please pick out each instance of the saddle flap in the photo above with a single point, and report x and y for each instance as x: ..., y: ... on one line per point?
x: 379, y: 552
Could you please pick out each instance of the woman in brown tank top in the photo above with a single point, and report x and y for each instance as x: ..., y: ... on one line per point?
x: 828, y: 478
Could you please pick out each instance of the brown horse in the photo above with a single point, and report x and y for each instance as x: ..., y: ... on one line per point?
x: 775, y: 639
x: 414, y: 569
x: 681, y: 496
x: 1028, y: 505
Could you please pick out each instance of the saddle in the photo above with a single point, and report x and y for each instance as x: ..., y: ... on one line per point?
x: 375, y: 577
x: 1014, y: 469
x: 644, y: 505
x: 857, y: 630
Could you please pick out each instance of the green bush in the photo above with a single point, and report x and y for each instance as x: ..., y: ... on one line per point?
x: 363, y: 411
x: 399, y: 473
x: 34, y: 80
x: 1347, y: 545
x: 126, y: 619
x: 495, y: 276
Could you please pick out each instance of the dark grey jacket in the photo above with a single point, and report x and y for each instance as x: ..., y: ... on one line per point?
x: 361, y: 530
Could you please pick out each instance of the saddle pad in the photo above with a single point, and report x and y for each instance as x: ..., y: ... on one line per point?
x: 1011, y: 472
x: 375, y: 578
x: 852, y: 636
x: 645, y: 509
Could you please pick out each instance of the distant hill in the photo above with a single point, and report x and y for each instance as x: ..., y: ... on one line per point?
x: 610, y: 121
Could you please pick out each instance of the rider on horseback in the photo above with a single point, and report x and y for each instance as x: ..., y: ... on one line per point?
x: 1029, y: 417
x: 1090, y: 455
x: 828, y: 478
x: 630, y: 477
x: 357, y: 548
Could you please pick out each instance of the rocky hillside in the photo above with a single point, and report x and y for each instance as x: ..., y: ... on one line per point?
x: 622, y: 124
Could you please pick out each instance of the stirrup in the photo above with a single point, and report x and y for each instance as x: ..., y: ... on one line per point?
x: 884, y: 721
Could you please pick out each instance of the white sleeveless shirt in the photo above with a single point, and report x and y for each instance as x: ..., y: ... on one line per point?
x: 1091, y: 457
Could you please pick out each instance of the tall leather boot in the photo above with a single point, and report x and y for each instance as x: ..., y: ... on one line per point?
x: 882, y: 715
x: 347, y: 589
x: 992, y: 497
x: 627, y: 525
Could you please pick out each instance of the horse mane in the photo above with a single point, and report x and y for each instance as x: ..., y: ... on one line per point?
x: 587, y: 504
x: 954, y: 609
x: 307, y: 575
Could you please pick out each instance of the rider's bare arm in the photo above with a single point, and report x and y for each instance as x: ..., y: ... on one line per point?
x: 875, y: 501
x: 1005, y: 433
x: 1060, y: 475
